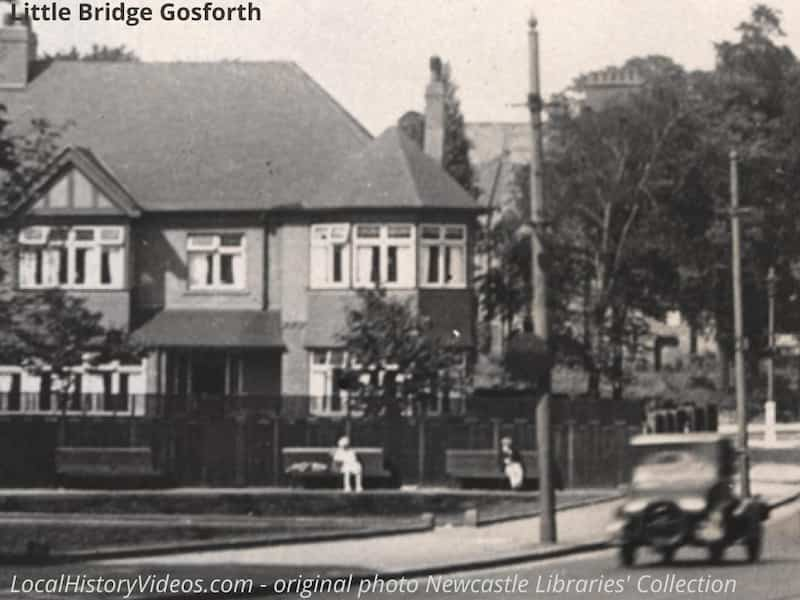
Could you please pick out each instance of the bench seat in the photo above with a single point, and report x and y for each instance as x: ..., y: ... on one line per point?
x: 314, y: 465
x: 484, y: 464
x: 105, y: 462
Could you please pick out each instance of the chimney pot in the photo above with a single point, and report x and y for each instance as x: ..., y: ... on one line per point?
x: 436, y: 68
x: 435, y: 112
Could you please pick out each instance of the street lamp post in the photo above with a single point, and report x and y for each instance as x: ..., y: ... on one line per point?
x: 741, y: 401
x: 547, y: 520
x: 770, y: 435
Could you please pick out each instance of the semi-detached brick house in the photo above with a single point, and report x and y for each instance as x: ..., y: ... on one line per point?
x: 226, y: 213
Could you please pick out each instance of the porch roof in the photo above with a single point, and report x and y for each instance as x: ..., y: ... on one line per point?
x: 212, y: 329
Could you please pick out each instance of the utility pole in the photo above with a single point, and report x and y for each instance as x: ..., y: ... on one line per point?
x: 541, y: 327
x: 770, y: 436
x: 741, y: 401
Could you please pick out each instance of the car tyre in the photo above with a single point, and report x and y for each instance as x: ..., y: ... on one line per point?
x: 754, y: 545
x: 627, y: 555
x: 716, y: 552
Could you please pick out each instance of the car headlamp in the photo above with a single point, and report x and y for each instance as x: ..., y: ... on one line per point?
x: 635, y: 506
x: 692, y: 504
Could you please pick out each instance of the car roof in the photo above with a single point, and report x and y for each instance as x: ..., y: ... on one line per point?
x: 660, y: 439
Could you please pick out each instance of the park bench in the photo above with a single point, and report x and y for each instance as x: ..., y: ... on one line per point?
x: 314, y: 467
x: 477, y: 468
x: 104, y: 463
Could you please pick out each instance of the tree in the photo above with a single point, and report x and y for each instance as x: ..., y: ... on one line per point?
x: 455, y: 158
x: 388, y: 340
x: 749, y: 104
x: 504, y: 290
x: 51, y: 332
x: 98, y: 53
x: 617, y: 177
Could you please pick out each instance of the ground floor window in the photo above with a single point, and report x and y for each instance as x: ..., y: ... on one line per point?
x: 87, y: 389
x: 323, y: 381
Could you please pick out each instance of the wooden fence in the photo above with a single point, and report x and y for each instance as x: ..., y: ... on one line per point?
x: 245, y: 450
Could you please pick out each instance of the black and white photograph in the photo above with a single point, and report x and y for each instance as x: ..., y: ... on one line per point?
x: 413, y: 299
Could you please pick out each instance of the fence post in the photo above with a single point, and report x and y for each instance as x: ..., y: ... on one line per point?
x: 132, y: 424
x: 421, y: 448
x: 570, y: 454
x: 276, y: 450
x: 496, y: 435
x: 240, y: 450
x: 61, y: 431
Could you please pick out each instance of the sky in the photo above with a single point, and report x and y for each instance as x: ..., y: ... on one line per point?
x: 372, y: 55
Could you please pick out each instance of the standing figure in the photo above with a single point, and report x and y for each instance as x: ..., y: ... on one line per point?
x: 511, y: 464
x: 346, y: 461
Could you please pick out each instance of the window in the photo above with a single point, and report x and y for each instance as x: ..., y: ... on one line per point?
x: 443, y: 251
x: 216, y: 261
x: 326, y: 397
x: 330, y: 256
x: 72, y: 257
x: 384, y: 255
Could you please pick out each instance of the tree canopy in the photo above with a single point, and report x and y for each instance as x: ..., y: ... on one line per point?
x: 637, y: 193
x: 387, y: 339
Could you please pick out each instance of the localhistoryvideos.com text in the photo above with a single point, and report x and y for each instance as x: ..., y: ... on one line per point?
x: 127, y: 587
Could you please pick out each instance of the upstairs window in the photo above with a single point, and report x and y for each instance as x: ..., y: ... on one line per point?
x: 384, y: 256
x: 443, y: 250
x: 330, y: 256
x: 72, y: 257
x: 216, y: 261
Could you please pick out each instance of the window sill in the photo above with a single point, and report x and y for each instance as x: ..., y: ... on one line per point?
x: 217, y: 292
x: 72, y: 288
x: 430, y: 286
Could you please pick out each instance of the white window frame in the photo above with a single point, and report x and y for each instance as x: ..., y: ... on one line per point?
x: 320, y: 404
x: 384, y: 241
x: 37, y: 241
x: 443, y: 244
x: 325, y: 239
x: 216, y: 250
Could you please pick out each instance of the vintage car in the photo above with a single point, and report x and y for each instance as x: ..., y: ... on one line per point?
x: 681, y: 493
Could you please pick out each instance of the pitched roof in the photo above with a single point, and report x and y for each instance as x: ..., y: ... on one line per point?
x: 212, y: 328
x: 94, y: 170
x: 196, y: 136
x: 391, y: 172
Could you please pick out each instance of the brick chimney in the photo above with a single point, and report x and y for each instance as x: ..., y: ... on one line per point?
x: 17, y: 50
x: 434, y: 112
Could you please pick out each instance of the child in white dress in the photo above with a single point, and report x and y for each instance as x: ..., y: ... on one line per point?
x: 346, y: 462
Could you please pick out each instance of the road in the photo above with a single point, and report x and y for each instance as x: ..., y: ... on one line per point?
x: 597, y: 575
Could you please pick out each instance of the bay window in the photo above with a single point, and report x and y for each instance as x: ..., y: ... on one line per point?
x: 384, y: 255
x: 216, y: 261
x: 443, y: 250
x: 75, y: 257
x: 330, y: 256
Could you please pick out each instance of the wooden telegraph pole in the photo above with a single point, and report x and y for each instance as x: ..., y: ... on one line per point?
x: 741, y: 401
x: 547, y: 519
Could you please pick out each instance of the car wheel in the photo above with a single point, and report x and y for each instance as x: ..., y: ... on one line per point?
x: 627, y: 555
x: 754, y: 544
x: 716, y: 552
x: 667, y: 554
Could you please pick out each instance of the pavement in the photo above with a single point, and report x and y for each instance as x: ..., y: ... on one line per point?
x: 445, y: 549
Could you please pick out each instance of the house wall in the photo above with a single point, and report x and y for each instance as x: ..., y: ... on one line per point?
x: 293, y: 276
x: 162, y: 276
x: 314, y: 318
